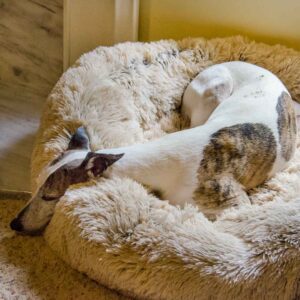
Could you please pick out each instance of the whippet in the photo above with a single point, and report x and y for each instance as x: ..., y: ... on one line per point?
x: 243, y: 132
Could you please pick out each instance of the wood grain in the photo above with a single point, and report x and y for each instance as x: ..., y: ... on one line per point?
x: 30, y: 64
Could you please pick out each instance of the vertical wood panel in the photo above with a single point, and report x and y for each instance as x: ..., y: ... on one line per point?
x: 30, y: 64
x: 92, y: 23
x: 126, y: 20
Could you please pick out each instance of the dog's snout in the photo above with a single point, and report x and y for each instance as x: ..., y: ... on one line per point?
x: 16, y: 225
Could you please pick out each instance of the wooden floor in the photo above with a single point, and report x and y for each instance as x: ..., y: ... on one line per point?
x: 30, y: 64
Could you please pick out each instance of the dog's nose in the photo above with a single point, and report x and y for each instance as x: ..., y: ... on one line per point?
x: 16, y: 225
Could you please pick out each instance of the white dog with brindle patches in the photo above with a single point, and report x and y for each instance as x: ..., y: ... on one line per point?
x: 243, y: 132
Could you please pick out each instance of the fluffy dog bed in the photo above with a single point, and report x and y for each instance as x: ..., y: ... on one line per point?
x: 130, y: 241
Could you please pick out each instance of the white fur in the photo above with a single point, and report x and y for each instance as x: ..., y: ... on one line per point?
x: 205, y: 93
x: 170, y: 163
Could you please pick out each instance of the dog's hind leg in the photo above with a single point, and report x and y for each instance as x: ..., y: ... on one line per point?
x: 219, y: 193
x: 205, y: 93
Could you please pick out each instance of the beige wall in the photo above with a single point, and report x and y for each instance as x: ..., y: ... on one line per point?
x: 87, y: 24
x: 272, y: 21
x: 91, y: 23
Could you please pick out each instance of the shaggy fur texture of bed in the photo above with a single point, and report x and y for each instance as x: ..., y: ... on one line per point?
x: 128, y: 240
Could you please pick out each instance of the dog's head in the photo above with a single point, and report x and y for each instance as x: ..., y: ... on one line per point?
x: 76, y: 165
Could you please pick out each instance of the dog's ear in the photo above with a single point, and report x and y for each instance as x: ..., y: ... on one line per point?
x: 96, y: 163
x: 79, y: 140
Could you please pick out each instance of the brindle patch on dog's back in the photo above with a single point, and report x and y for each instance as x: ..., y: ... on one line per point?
x: 287, y: 127
x: 243, y: 153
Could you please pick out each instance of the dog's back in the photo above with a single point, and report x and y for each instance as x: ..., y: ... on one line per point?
x: 253, y: 133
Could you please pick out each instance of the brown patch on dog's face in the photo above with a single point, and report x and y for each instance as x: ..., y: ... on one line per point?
x: 237, y: 157
x: 92, y: 166
x: 287, y: 127
x: 55, y: 185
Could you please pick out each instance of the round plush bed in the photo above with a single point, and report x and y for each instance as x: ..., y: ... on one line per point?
x: 125, y: 238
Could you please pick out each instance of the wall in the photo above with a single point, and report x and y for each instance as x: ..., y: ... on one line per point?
x: 88, y: 24
x: 272, y: 21
x: 30, y: 64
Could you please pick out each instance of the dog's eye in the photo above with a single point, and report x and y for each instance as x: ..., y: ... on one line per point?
x: 49, y: 198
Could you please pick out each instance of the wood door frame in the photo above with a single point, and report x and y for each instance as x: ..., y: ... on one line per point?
x: 124, y: 25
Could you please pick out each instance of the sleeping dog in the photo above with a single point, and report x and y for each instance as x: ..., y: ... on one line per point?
x: 243, y: 131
